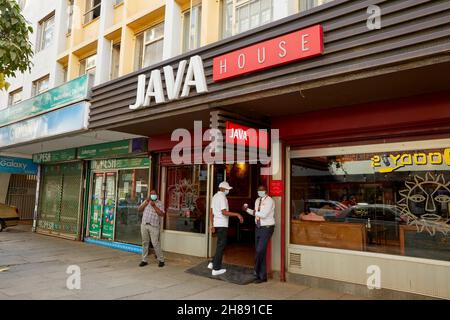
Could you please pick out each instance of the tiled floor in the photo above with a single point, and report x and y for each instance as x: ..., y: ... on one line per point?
x: 37, y: 268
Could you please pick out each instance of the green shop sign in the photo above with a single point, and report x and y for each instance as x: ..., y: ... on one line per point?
x: 69, y: 93
x: 55, y: 156
x: 120, y: 164
x: 113, y: 149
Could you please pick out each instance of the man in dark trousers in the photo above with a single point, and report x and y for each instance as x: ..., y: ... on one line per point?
x: 220, y: 212
x: 265, y: 226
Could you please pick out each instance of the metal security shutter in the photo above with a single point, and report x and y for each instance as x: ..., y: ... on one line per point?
x: 59, y: 205
x: 22, y: 194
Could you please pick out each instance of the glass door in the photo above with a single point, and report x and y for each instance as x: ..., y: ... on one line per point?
x: 103, y: 206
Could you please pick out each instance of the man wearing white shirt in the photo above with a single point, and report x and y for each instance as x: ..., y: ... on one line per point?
x: 220, y: 212
x: 265, y: 226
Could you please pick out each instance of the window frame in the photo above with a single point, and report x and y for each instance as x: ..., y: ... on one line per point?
x: 188, y: 48
x: 86, y: 68
x: 146, y: 43
x: 43, y: 24
x: 37, y: 81
x: 92, y: 8
x: 12, y: 94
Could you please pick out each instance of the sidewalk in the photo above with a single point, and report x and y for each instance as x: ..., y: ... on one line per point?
x: 37, y: 270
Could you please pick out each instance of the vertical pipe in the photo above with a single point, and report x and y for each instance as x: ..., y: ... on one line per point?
x: 283, y: 216
x: 38, y: 187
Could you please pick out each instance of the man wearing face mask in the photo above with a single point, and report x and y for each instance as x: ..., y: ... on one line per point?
x: 265, y: 226
x: 220, y: 212
x: 150, y: 228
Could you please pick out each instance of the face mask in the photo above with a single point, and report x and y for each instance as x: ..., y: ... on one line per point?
x: 227, y: 192
x: 261, y: 194
x: 153, y: 197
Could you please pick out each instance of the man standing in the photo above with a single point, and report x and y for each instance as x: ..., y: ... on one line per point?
x: 150, y: 228
x: 221, y: 214
x: 265, y: 226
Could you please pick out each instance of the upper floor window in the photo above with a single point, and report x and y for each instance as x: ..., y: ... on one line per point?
x: 192, y: 28
x: 93, y: 10
x: 309, y: 4
x: 115, y: 61
x: 242, y: 15
x: 46, y: 31
x: 88, y: 65
x: 41, y: 85
x: 70, y: 6
x: 149, y: 47
x: 15, y: 97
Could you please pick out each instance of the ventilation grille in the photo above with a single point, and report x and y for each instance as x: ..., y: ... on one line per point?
x: 295, y: 260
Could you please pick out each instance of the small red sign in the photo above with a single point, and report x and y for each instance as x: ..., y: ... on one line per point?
x: 298, y: 45
x: 276, y: 188
x: 245, y: 136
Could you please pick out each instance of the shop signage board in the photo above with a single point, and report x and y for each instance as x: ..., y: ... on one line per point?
x: 55, y: 156
x: 388, y: 163
x: 113, y: 149
x: 62, y: 121
x: 176, y: 86
x: 110, y: 164
x: 295, y: 46
x: 68, y: 93
x: 276, y: 188
x: 238, y: 134
x: 17, y: 165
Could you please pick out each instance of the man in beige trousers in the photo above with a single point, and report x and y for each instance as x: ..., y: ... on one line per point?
x: 153, y: 213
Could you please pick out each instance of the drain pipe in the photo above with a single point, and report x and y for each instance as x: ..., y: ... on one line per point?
x: 283, y: 216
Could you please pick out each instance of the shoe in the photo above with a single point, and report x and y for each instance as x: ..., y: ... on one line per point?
x: 210, y: 266
x: 259, y: 281
x: 143, y: 264
x: 161, y: 264
x: 218, y: 272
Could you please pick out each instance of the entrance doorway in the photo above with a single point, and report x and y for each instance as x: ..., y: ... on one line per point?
x: 103, y: 206
x: 245, y: 179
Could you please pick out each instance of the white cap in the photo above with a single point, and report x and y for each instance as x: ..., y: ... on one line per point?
x: 225, y: 185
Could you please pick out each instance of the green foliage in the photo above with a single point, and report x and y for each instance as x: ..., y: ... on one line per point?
x: 15, y: 48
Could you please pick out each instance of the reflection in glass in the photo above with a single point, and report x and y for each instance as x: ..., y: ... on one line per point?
x: 132, y: 191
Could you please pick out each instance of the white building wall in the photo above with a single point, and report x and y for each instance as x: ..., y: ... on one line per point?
x: 44, y: 62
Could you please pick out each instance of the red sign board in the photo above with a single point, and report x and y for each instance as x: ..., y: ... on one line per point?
x: 298, y: 45
x: 276, y: 188
x: 245, y: 136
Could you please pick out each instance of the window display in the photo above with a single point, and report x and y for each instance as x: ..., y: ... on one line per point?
x: 186, y: 198
x: 393, y: 203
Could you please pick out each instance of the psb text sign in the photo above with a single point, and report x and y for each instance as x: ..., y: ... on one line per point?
x: 299, y: 45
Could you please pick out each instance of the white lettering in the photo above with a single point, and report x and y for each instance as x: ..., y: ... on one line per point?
x: 223, y: 66
x: 173, y: 87
x: 241, y: 61
x: 195, y: 77
x: 263, y: 59
x: 154, y: 89
x: 282, y: 45
x: 304, y: 42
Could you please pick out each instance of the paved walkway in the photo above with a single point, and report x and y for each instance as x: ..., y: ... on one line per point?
x: 36, y: 269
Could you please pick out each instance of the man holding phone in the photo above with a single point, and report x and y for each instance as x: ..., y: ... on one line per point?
x: 153, y: 213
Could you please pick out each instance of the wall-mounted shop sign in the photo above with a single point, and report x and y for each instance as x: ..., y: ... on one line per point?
x: 388, y: 163
x: 66, y: 120
x: 55, y: 156
x: 70, y: 92
x: 195, y: 77
x: 245, y: 136
x: 120, y: 164
x: 113, y: 149
x: 276, y: 188
x: 298, y: 45
x: 17, y: 165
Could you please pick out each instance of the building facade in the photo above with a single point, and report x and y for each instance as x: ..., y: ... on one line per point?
x: 356, y: 89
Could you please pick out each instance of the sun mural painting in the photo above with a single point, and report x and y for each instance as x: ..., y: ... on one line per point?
x: 425, y: 203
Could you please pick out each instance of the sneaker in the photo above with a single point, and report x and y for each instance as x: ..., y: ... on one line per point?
x: 218, y: 272
x: 161, y: 264
x: 210, y: 266
x: 143, y: 264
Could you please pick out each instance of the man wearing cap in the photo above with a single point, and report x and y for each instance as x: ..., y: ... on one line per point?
x: 221, y: 214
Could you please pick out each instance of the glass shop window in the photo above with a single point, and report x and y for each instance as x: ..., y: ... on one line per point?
x: 185, y: 198
x: 392, y: 202
x: 133, y: 189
